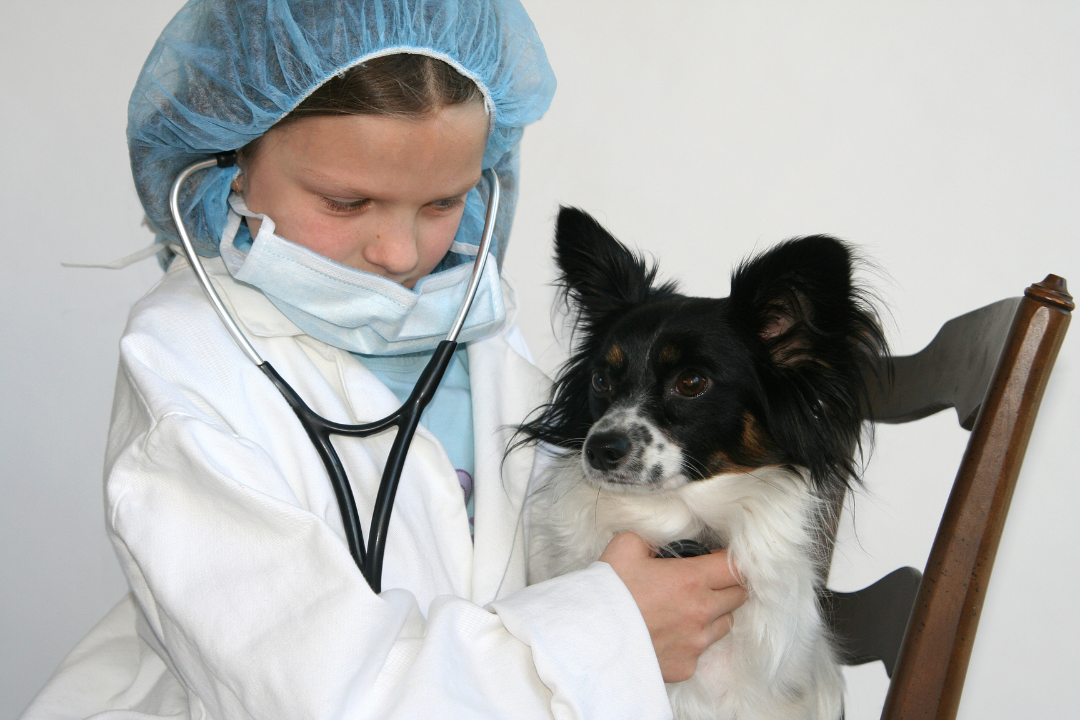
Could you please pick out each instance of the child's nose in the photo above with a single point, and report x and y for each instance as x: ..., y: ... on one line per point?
x: 394, y: 247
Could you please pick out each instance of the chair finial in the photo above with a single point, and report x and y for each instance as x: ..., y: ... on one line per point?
x: 1053, y: 291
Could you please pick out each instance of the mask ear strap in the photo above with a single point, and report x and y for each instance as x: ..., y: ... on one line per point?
x: 232, y: 223
x: 464, y: 249
x: 152, y: 249
x: 238, y: 210
x: 239, y: 206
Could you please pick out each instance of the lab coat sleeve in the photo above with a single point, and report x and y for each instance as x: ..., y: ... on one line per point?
x: 260, y: 612
x: 576, y: 657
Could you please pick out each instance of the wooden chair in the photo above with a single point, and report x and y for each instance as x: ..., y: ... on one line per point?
x: 992, y: 365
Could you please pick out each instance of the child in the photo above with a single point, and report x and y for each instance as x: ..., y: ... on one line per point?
x: 362, y: 129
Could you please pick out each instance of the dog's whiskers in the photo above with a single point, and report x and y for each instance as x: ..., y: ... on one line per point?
x: 692, y: 467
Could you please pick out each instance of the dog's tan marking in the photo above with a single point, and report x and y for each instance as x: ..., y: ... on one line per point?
x: 719, y: 463
x: 754, y: 439
x: 670, y: 354
x: 615, y: 356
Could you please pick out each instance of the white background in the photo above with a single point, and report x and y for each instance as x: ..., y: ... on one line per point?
x: 941, y: 138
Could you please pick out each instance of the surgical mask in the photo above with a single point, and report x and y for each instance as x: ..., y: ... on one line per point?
x: 356, y: 310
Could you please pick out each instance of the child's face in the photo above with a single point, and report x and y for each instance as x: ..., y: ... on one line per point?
x: 379, y: 193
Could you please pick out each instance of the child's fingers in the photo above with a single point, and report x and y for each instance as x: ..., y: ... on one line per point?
x: 728, y: 600
x: 720, y: 572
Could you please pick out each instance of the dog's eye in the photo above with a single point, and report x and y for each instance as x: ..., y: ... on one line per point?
x: 600, y: 383
x: 691, y: 384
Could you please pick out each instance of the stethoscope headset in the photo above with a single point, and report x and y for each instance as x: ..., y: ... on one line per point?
x: 369, y: 559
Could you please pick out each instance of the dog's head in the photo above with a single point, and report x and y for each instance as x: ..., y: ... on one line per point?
x: 664, y: 389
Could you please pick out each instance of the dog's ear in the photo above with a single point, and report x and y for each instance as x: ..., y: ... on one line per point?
x: 799, y: 295
x: 820, y: 339
x: 600, y: 274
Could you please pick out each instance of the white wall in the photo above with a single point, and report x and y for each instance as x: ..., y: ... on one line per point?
x: 67, y: 195
x: 939, y: 137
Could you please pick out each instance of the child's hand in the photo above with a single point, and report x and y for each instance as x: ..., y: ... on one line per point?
x: 686, y: 602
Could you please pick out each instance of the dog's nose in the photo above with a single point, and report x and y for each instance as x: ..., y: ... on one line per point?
x: 605, y: 450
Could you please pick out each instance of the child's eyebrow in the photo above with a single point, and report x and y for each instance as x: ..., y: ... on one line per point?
x: 338, y: 186
x: 311, y: 175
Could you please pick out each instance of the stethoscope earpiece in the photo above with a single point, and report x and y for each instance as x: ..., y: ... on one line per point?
x: 225, y: 159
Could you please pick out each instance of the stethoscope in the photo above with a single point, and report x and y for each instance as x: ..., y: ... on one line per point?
x: 319, y: 429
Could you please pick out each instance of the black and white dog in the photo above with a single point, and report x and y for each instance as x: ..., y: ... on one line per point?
x: 730, y: 422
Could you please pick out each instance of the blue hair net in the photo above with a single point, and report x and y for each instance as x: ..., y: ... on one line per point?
x: 224, y: 71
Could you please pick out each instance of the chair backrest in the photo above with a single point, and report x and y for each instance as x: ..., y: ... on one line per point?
x: 992, y: 365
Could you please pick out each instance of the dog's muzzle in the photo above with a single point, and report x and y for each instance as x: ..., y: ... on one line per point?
x: 624, y: 448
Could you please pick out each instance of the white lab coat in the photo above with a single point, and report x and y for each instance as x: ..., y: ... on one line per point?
x: 246, y: 601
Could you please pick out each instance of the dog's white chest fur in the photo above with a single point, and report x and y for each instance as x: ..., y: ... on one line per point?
x: 777, y: 662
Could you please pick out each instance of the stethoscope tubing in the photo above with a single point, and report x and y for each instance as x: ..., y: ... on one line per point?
x: 368, y: 559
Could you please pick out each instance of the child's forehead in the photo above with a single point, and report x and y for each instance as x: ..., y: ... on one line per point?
x: 379, y: 156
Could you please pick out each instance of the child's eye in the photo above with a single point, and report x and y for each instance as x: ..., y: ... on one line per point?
x: 343, y: 206
x: 447, y: 203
